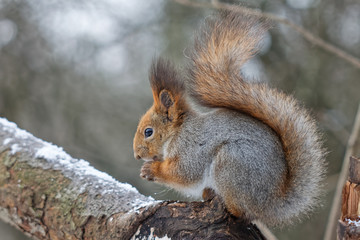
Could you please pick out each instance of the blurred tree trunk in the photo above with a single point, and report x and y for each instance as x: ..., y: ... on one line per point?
x: 49, y: 195
x: 349, y: 223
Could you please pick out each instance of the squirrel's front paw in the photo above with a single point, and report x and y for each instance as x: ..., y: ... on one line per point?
x: 146, y: 172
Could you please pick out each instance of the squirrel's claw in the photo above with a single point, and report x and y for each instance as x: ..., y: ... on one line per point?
x: 146, y: 172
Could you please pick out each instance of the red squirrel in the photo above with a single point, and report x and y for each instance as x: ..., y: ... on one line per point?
x: 255, y: 147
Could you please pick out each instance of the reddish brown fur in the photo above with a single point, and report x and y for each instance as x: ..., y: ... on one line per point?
x: 165, y: 171
x: 164, y: 80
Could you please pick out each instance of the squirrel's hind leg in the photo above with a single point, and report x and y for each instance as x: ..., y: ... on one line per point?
x: 208, y: 194
x: 232, y: 183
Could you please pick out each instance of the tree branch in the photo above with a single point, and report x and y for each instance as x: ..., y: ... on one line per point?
x: 49, y: 195
x: 348, y: 225
x: 305, y: 33
x: 352, y: 149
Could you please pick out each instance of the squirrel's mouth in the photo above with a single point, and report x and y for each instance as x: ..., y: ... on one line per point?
x: 148, y: 159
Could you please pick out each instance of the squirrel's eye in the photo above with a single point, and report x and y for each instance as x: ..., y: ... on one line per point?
x: 148, y: 132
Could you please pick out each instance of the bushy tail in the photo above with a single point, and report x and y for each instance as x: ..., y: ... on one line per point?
x: 223, y: 45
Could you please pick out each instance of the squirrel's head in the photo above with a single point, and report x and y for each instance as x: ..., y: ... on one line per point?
x: 165, y: 117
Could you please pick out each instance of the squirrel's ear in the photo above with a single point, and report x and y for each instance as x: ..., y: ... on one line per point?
x: 168, y: 90
x: 166, y: 99
x: 168, y: 105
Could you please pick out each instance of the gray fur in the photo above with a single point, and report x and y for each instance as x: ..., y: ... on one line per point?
x: 246, y: 155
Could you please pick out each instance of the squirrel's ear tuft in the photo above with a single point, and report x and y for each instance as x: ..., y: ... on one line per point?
x: 165, y: 83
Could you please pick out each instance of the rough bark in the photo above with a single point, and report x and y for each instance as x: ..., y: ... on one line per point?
x: 349, y: 223
x: 49, y: 195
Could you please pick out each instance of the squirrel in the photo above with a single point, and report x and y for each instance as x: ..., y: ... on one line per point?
x: 255, y: 147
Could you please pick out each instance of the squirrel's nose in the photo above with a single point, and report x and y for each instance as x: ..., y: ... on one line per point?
x: 137, y: 157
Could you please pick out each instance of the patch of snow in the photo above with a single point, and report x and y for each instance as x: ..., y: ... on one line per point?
x: 150, y: 237
x: 53, y: 153
x: 13, y: 128
x: 6, y: 123
x: 7, y: 141
x: 63, y: 160
x: 17, y: 133
x: 15, y: 148
x: 138, y: 204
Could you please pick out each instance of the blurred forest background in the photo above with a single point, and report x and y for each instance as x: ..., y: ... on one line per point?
x: 75, y: 73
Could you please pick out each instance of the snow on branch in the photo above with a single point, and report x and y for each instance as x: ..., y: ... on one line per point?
x: 85, y: 178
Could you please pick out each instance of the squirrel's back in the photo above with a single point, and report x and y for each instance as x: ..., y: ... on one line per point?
x: 222, y: 46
